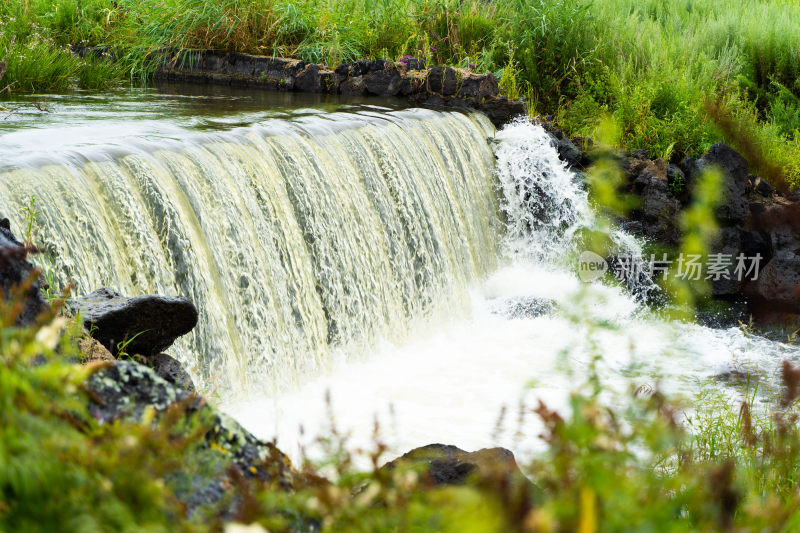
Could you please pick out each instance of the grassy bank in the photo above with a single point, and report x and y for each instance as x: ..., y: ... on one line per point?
x: 650, y: 64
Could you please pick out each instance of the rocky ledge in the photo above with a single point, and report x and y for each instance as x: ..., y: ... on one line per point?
x: 754, y: 219
x: 410, y: 78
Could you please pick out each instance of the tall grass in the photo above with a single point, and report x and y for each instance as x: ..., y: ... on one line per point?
x: 650, y: 64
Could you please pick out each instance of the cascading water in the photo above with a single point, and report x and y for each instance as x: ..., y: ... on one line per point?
x: 452, y: 383
x: 293, y: 238
x: 543, y: 202
x: 370, y: 232
x: 547, y: 206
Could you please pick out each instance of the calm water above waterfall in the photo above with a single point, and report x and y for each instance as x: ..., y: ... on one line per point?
x: 384, y: 255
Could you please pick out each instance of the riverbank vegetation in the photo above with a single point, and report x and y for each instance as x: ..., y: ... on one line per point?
x: 726, y: 461
x: 651, y: 65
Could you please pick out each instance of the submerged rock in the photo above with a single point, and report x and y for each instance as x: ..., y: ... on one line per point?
x: 15, y: 270
x: 522, y: 307
x: 148, y: 324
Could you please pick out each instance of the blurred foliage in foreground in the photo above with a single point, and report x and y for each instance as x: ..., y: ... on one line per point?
x: 648, y: 464
x: 650, y: 64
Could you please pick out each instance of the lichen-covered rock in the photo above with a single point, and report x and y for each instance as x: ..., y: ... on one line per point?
x: 16, y: 270
x: 124, y: 390
x: 146, y: 324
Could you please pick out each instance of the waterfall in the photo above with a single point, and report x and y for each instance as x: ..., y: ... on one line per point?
x: 293, y: 237
x: 544, y: 203
x: 546, y: 206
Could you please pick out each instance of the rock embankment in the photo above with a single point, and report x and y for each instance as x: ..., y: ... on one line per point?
x: 410, y: 78
x: 754, y: 220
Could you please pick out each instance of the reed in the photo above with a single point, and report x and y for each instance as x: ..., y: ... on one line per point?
x: 649, y: 64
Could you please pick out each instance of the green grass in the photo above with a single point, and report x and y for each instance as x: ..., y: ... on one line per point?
x: 651, y: 65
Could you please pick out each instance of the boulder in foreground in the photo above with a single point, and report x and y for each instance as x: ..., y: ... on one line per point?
x: 143, y: 325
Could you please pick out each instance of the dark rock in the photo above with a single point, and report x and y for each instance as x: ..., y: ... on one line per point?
x: 149, y: 324
x: 359, y: 68
x: 570, y: 153
x: 314, y: 79
x: 378, y: 64
x: 123, y: 390
x: 632, y: 166
x: 384, y: 82
x: 755, y: 243
x: 659, y: 207
x: 691, y: 171
x: 218, y: 62
x: 478, y: 87
x: 762, y: 187
x: 732, y: 208
x: 15, y: 269
x: 281, y: 73
x: 411, y: 84
x: 676, y: 179
x: 448, y: 465
x: 443, y: 80
x: 778, y: 283
x: 243, y: 64
x: 728, y: 243
x: 168, y: 368
x: 353, y: 86
x: 500, y: 109
x: 757, y: 207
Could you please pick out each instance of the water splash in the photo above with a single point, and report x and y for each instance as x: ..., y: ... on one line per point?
x: 544, y: 203
x: 547, y: 207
